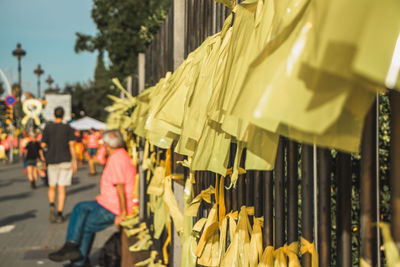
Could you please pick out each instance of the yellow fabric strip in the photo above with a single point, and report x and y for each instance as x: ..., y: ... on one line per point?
x: 205, y: 236
x: 199, y: 225
x: 166, y: 243
x: 267, y: 259
x: 391, y: 252
x: 221, y: 199
x: 256, y: 249
x: 308, y: 247
x: 364, y: 263
x: 172, y: 205
x: 208, y: 253
x: 194, y: 206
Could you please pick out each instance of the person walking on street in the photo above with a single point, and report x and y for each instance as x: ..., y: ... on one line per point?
x: 110, y: 207
x: 92, y: 146
x: 22, y: 148
x: 32, y: 153
x: 59, y: 140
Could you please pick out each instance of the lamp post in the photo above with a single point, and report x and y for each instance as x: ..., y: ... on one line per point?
x: 49, y: 81
x: 19, y: 53
x: 38, y: 71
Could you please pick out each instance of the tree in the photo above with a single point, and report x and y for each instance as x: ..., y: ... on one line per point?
x: 91, y: 98
x: 125, y: 28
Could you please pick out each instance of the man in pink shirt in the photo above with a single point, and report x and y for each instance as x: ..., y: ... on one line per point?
x: 112, y: 205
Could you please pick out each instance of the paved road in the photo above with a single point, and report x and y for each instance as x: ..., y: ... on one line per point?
x: 26, y: 236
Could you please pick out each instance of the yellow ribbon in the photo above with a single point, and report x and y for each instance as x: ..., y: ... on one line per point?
x: 236, y: 165
x: 364, y: 263
x: 228, y: 3
x: 156, y: 186
x: 167, y: 241
x: 221, y: 199
x: 195, y: 204
x: 150, y: 262
x: 256, y: 248
x: 211, y: 225
x: 161, y: 186
x: 308, y: 247
x: 291, y: 252
x: 172, y: 205
x: 187, y: 163
x: 267, y: 259
x: 208, y: 246
x: 145, y: 155
x: 391, y: 252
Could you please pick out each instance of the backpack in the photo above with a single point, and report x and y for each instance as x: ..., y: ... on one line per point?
x: 110, y: 253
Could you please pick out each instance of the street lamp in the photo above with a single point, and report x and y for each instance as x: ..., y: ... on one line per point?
x: 49, y: 81
x: 38, y: 71
x: 19, y: 53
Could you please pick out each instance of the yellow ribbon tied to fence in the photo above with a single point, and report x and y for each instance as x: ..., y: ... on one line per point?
x: 188, y: 258
x: 238, y: 252
x: 151, y: 262
x: 256, y: 246
x: 391, y: 252
x: 170, y: 202
x: 308, y: 247
x: 267, y: 259
x: 228, y: 3
x: 207, y: 248
x: 230, y: 217
x: 204, y: 195
x: 291, y: 252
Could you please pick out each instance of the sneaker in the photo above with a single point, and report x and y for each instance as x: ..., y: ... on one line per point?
x: 87, y: 264
x: 59, y: 218
x: 69, y: 251
x: 52, y: 214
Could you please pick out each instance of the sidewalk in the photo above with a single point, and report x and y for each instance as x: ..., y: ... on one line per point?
x: 26, y: 236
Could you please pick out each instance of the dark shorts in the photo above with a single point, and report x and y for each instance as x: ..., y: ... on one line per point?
x: 31, y: 162
x: 92, y: 151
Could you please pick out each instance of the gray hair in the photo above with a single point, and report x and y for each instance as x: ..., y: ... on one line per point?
x: 113, y: 138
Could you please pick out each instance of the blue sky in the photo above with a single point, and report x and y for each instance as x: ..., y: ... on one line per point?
x: 46, y: 30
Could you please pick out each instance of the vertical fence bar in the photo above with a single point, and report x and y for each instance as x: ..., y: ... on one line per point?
x: 395, y: 165
x: 258, y: 193
x: 343, y: 212
x: 367, y: 190
x: 292, y: 192
x: 250, y: 196
x: 307, y: 197
x: 228, y: 195
x: 324, y: 206
x: 241, y: 187
x: 242, y: 184
x: 268, y: 235
x: 279, y: 182
x: 377, y: 185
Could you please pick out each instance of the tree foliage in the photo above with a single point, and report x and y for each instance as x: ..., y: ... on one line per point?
x: 125, y: 28
x: 90, y: 99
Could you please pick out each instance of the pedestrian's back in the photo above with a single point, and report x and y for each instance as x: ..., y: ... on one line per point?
x: 57, y: 137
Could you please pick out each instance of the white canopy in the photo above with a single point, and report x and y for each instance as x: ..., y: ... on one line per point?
x: 87, y: 123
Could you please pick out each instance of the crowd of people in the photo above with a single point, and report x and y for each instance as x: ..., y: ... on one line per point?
x: 27, y: 148
x: 54, y: 154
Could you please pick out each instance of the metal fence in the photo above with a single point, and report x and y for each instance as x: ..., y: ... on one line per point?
x: 310, y: 193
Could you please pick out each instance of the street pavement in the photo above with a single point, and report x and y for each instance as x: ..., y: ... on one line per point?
x: 26, y: 235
